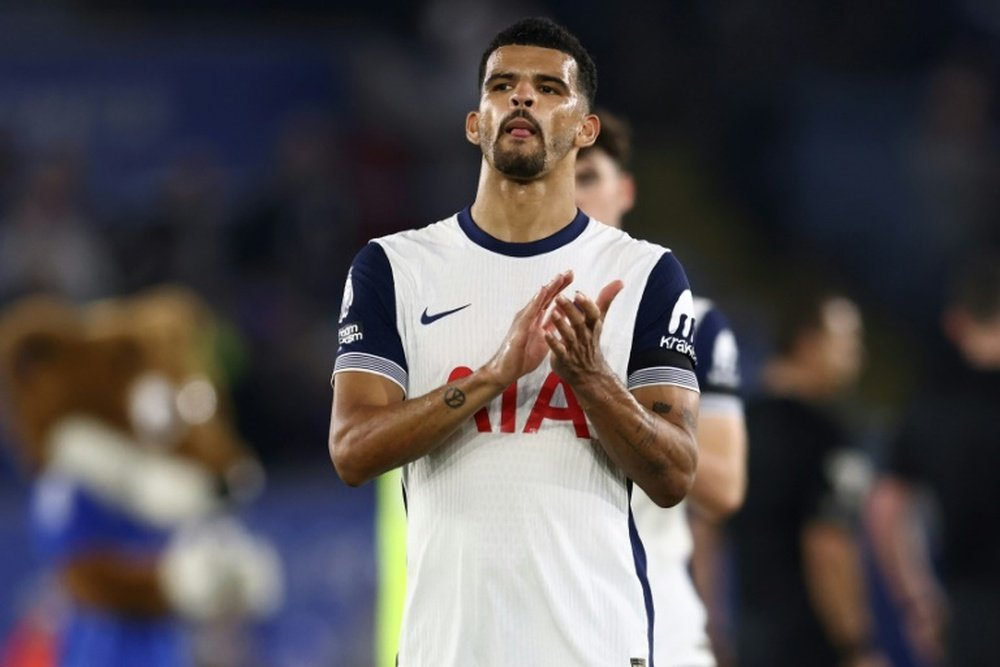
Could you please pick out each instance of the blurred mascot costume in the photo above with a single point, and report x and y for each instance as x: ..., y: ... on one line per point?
x: 119, y: 418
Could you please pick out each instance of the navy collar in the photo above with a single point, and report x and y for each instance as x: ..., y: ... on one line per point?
x: 565, y: 235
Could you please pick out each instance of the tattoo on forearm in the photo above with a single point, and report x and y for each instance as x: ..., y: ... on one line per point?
x: 454, y: 397
x: 687, y: 416
x: 639, y: 440
x: 644, y: 433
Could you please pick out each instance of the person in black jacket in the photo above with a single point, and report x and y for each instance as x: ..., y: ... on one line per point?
x: 799, y: 580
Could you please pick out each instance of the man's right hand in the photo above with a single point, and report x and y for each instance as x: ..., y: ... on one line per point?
x: 524, y: 348
x: 375, y: 428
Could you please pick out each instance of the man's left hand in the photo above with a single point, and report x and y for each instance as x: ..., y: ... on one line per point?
x: 574, y: 333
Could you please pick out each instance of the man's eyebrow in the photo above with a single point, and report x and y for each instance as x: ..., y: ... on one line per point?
x: 549, y: 78
x: 497, y: 75
x: 540, y: 78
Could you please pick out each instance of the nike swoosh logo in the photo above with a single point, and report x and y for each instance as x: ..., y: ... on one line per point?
x: 427, y: 319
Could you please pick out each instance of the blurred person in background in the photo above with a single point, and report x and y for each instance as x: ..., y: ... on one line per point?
x: 179, y: 238
x: 799, y: 576
x: 290, y: 247
x: 48, y: 242
x: 606, y: 190
x: 938, y: 500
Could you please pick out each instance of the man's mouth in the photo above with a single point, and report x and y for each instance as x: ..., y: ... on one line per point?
x: 520, y: 128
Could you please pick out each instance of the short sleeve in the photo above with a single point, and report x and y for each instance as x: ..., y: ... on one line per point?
x: 663, y: 342
x: 718, y: 368
x: 368, y: 338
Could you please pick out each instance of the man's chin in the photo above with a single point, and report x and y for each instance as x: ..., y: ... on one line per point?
x: 520, y: 166
x: 520, y: 173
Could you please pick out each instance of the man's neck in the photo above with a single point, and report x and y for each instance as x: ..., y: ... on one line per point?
x: 520, y: 212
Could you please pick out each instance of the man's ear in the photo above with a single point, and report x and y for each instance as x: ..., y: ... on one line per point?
x: 589, y: 129
x: 472, y: 127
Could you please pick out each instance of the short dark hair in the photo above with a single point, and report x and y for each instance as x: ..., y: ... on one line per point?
x: 615, y: 139
x: 547, y: 34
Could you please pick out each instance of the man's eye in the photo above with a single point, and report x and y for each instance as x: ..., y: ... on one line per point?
x: 501, y: 87
x: 547, y: 89
x: 586, y: 179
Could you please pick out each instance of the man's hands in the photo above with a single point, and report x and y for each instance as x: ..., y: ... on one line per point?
x: 571, y: 333
x: 375, y: 428
x: 574, y: 334
x: 524, y: 348
x: 649, y: 434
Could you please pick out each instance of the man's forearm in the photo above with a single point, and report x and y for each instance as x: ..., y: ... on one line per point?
x: 376, y: 438
x: 720, y: 485
x: 836, y: 585
x: 654, y: 447
x: 373, y: 430
x: 899, y: 543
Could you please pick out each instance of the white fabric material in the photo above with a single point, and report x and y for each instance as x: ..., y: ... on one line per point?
x: 679, y: 635
x: 514, y: 535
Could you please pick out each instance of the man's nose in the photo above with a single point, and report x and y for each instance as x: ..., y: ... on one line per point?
x: 524, y: 95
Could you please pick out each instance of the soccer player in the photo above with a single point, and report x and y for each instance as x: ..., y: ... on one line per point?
x: 605, y: 189
x: 947, y: 452
x: 521, y: 415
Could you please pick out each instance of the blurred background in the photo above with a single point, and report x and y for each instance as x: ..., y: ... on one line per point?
x: 247, y: 149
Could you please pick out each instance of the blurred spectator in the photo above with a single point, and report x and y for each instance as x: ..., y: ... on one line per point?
x: 301, y: 228
x: 954, y: 159
x: 800, y: 583
x: 48, y: 242
x: 178, y: 238
x: 946, y: 456
x: 290, y: 250
x: 954, y: 172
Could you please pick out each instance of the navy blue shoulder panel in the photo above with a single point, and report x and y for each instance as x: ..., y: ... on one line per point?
x: 368, y: 338
x: 718, y: 354
x: 663, y: 340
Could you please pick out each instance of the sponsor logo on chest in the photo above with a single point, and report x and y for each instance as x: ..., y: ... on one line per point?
x: 545, y: 406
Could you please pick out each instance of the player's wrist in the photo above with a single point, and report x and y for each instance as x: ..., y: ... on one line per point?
x: 595, y: 388
x: 493, y: 377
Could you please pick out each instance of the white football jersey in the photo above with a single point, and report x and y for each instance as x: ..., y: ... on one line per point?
x: 521, y: 549
x: 680, y: 634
